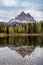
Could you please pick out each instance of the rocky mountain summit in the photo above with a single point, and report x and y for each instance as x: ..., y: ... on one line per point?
x: 22, y: 18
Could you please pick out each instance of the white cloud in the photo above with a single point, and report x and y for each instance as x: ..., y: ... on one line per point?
x: 9, y: 2
x: 4, y: 15
x: 7, y: 15
x: 18, y: 6
x: 28, y: 4
x: 38, y: 15
x: 32, y: 8
x: 1, y: 20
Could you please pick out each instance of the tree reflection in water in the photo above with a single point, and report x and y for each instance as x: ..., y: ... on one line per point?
x: 21, y: 41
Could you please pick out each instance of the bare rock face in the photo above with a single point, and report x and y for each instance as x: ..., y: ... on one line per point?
x: 22, y: 18
x: 25, y: 17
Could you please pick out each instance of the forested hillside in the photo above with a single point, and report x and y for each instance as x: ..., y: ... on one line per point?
x: 22, y: 28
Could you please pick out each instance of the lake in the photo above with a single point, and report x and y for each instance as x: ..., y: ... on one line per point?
x: 21, y: 50
x: 21, y: 41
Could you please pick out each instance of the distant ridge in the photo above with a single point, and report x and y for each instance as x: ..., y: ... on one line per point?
x: 2, y: 23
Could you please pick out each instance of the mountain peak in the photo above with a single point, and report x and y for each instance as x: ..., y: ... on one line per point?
x: 25, y: 17
x: 23, y: 13
x: 28, y: 15
x: 21, y: 16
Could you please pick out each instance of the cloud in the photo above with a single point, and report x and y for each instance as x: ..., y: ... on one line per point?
x: 38, y: 15
x: 1, y: 20
x: 26, y: 4
x: 11, y: 8
x: 7, y: 15
x: 4, y: 15
x: 9, y: 2
x: 34, y: 8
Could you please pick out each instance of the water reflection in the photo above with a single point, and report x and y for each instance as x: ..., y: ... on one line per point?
x: 35, y: 58
x: 18, y: 41
x: 33, y: 47
x: 11, y: 57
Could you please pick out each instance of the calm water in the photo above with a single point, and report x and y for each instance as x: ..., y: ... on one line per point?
x: 19, y: 41
x: 12, y: 57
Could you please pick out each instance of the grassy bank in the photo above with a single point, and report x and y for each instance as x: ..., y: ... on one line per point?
x: 20, y: 34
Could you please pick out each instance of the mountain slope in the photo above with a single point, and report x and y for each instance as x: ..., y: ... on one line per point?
x: 22, y: 18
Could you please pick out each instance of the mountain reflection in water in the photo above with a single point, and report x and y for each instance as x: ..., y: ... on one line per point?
x: 11, y: 57
x: 21, y: 50
x: 35, y: 58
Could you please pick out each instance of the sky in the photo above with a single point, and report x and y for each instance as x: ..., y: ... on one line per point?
x: 11, y: 8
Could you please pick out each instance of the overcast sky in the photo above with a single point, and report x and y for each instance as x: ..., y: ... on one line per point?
x: 11, y: 8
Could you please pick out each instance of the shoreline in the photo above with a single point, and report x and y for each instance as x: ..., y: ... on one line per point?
x: 20, y: 34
